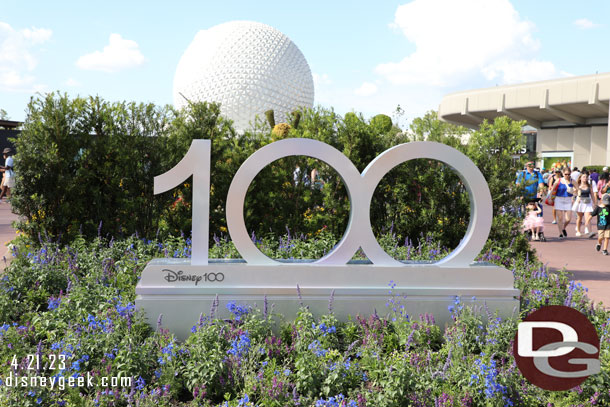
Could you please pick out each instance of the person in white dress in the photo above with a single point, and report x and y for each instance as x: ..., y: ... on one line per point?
x: 8, y: 181
x: 585, y: 201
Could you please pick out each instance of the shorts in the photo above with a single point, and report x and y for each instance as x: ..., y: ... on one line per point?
x: 9, y: 182
x: 603, y: 234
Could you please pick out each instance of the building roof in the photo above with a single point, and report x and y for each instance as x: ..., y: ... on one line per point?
x: 9, y: 124
x: 572, y: 101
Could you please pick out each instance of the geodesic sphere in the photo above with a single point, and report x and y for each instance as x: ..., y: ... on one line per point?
x: 248, y: 68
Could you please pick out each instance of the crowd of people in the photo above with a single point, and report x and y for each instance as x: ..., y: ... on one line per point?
x: 570, y: 193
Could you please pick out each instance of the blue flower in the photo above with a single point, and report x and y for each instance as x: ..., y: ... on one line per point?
x: 237, y: 310
x: 489, y: 375
x: 240, y: 346
x: 92, y: 322
x: 140, y: 383
x: 336, y: 401
x: 53, y: 303
x: 125, y: 310
x: 315, y: 347
x: 324, y: 329
x: 244, y: 401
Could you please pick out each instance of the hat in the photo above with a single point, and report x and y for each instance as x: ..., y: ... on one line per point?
x: 606, y: 199
x: 7, y: 151
x: 605, y: 168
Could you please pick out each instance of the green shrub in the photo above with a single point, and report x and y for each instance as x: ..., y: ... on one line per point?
x: 89, y: 318
x: 86, y: 167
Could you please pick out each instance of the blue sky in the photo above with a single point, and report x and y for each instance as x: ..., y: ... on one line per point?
x: 366, y: 56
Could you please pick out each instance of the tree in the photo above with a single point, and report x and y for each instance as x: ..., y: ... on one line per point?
x: 492, y: 148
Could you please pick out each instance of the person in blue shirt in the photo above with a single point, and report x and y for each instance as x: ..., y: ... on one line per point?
x: 531, y: 180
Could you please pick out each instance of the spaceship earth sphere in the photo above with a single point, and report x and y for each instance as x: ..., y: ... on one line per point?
x: 247, y: 67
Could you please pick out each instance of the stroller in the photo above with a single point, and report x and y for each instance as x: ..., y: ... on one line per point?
x: 534, y: 220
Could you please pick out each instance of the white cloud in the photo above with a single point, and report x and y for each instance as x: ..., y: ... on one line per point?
x: 585, y: 24
x: 119, y: 54
x: 520, y: 71
x: 71, y: 82
x: 457, y: 40
x: 17, y: 60
x: 323, y: 79
x: 367, y: 89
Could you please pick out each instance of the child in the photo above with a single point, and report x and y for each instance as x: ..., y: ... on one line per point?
x: 532, y: 222
x: 603, y: 223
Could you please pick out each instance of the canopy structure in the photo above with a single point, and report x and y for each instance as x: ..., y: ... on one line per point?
x: 571, y: 114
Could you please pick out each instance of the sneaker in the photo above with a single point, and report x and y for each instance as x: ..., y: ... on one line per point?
x: 577, y: 233
x: 565, y: 234
x: 592, y: 235
x: 598, y: 247
x: 586, y: 230
x: 605, y: 252
x: 542, y: 238
x: 554, y: 222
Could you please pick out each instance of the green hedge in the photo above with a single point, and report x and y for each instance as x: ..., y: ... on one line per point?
x: 86, y: 167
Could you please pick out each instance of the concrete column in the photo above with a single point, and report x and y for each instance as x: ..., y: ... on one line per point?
x: 608, y: 141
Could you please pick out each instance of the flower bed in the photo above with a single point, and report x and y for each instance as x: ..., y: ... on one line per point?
x: 71, y: 308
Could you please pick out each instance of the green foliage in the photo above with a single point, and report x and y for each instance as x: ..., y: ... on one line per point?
x: 83, y: 163
x: 382, y: 122
x: 86, y: 162
x: 256, y: 358
x: 202, y: 121
x: 598, y: 168
x: 296, y: 119
x: 270, y: 118
x: 491, y: 148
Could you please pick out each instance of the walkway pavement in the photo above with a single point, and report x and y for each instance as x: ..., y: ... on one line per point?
x: 577, y: 255
x: 7, y: 233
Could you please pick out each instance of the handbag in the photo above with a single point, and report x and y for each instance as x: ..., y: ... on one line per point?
x: 550, y: 197
x: 583, y: 199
